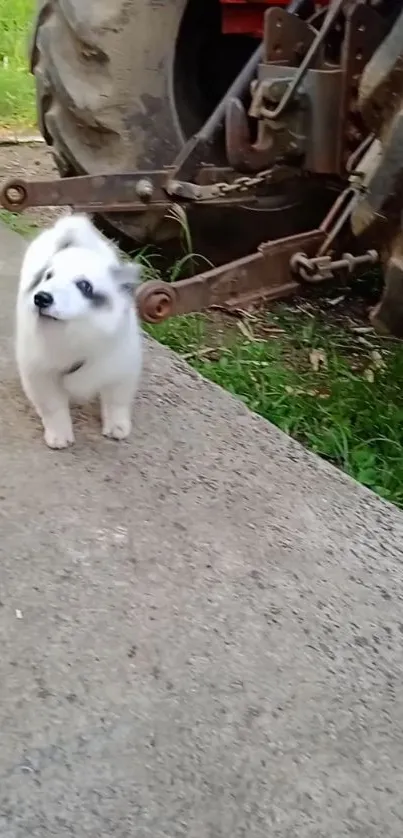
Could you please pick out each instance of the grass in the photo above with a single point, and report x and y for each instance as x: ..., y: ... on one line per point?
x: 340, y: 398
x: 17, y: 95
x: 338, y: 392
x: 19, y: 223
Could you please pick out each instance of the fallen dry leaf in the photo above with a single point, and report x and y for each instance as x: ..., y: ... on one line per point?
x: 245, y: 329
x: 200, y: 353
x: 364, y: 342
x: 377, y: 358
x: 318, y: 359
x: 369, y: 375
x: 335, y: 300
x: 273, y: 330
x: 295, y: 391
x: 318, y: 393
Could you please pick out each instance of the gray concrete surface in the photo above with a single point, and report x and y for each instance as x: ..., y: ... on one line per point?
x: 201, y: 631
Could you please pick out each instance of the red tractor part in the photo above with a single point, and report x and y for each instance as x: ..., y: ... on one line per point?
x: 245, y: 17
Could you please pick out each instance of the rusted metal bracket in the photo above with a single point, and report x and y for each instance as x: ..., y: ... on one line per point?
x: 90, y: 193
x: 286, y: 38
x: 285, y: 142
x: 365, y: 30
x: 261, y: 276
x: 305, y: 129
x: 332, y: 13
x: 124, y: 192
x: 135, y: 191
x: 320, y: 268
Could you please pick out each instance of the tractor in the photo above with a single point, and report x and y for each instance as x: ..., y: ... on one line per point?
x: 275, y: 128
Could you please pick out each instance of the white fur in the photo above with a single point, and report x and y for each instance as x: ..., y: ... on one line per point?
x: 105, y: 339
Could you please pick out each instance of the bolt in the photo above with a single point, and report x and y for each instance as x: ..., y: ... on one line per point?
x: 274, y: 91
x: 144, y: 189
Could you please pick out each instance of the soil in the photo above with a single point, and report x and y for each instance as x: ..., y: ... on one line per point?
x: 31, y: 161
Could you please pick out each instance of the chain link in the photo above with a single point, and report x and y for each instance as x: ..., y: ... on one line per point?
x: 320, y: 268
x: 213, y: 191
x: 241, y: 184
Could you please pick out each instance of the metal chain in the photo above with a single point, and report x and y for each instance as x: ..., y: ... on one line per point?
x: 241, y: 184
x: 212, y: 191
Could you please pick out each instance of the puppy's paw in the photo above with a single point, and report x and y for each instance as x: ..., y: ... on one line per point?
x: 58, y: 438
x: 117, y: 427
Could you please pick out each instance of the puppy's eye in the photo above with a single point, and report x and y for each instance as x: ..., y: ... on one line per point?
x: 48, y: 275
x: 85, y: 287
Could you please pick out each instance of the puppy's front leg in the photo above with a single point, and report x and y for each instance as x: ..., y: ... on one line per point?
x: 116, y: 407
x: 51, y: 403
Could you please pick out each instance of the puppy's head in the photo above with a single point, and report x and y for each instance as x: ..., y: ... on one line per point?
x: 79, y: 285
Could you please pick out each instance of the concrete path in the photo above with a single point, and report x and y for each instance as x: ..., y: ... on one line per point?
x: 201, y: 631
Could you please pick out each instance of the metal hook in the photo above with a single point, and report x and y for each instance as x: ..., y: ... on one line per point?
x: 243, y: 155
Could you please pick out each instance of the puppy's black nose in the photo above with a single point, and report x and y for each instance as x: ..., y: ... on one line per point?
x: 43, y: 300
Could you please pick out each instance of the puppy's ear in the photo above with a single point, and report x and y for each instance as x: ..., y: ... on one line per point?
x: 127, y: 275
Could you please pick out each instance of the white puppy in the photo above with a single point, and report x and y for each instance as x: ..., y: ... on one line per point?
x: 78, y: 334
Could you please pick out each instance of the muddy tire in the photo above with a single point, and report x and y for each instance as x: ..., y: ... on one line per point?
x: 103, y: 84
x: 120, y: 85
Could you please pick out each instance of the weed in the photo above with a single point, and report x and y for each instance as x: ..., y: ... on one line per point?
x: 19, y: 223
x: 17, y: 96
x: 353, y: 420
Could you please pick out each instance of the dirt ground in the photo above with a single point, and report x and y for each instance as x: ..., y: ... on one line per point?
x: 30, y: 162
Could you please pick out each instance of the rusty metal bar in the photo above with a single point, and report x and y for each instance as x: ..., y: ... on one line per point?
x: 133, y: 191
x: 92, y: 193
x: 264, y: 275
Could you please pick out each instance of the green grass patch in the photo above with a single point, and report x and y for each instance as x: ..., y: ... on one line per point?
x: 17, y: 95
x: 338, y: 397
x: 19, y: 223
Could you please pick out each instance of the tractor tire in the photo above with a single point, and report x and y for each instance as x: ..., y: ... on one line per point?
x: 103, y: 85
x: 122, y: 84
